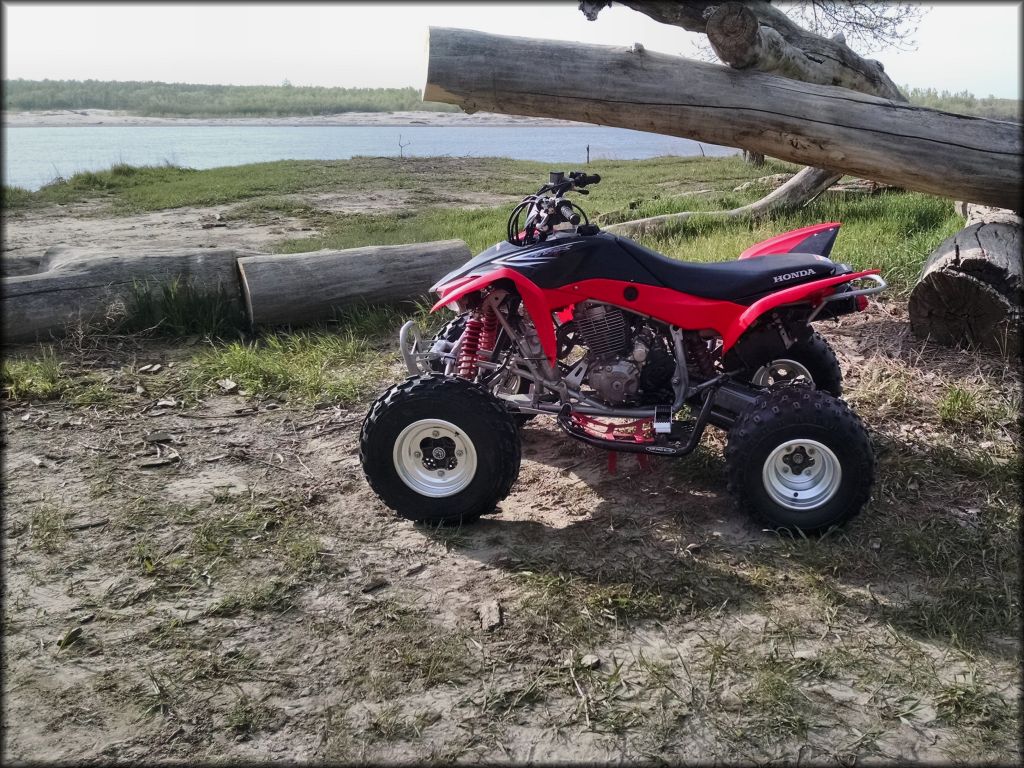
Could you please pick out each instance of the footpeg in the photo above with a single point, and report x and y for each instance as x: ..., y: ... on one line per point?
x: 662, y: 420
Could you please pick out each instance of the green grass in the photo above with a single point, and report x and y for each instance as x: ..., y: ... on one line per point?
x: 201, y: 100
x: 38, y: 378
x: 180, y: 308
x: 306, y: 365
x: 893, y: 232
x: 965, y: 102
x: 15, y: 197
x: 152, y: 188
x: 273, y: 594
x: 959, y: 406
x: 247, y: 715
x: 48, y: 528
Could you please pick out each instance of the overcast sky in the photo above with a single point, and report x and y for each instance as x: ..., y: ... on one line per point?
x: 972, y: 46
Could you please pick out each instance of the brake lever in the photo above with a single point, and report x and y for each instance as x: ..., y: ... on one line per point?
x: 583, y: 191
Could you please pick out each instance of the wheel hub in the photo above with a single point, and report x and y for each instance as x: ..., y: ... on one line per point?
x: 438, y: 453
x: 781, y: 371
x: 435, y: 458
x: 802, y: 474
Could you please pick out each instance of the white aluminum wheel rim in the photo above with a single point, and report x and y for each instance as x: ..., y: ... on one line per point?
x: 781, y: 371
x: 802, y: 475
x: 435, y: 458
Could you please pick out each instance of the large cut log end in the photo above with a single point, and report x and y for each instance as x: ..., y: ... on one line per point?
x: 437, y: 40
x: 735, y: 35
x: 969, y: 291
x: 953, y: 308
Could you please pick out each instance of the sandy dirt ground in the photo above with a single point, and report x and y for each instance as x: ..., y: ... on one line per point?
x: 194, y: 575
x: 29, y: 233
x: 212, y: 579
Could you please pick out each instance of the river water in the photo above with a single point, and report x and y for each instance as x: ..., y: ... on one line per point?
x: 35, y: 156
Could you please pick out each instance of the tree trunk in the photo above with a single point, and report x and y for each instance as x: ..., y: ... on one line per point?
x: 803, y: 187
x: 755, y: 159
x: 913, y: 147
x: 88, y: 286
x: 309, y: 287
x: 779, y: 46
x: 970, y: 288
x: 756, y: 36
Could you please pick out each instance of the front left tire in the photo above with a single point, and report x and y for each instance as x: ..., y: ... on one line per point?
x: 439, y: 450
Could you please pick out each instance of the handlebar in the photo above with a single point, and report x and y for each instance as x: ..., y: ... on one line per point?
x: 565, y: 209
x: 580, y: 179
x: 544, y: 208
x: 558, y: 184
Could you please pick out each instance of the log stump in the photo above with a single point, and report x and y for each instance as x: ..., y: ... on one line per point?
x: 969, y: 292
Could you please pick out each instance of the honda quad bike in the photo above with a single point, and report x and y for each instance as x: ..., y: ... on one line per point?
x: 629, y: 351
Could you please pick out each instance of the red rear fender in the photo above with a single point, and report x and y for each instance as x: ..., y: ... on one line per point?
x: 813, y: 292
x: 817, y: 239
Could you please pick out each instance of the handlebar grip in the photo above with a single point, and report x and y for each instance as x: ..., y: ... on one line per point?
x: 569, y: 214
x: 583, y: 179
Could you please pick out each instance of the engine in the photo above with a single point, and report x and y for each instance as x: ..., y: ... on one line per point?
x: 628, y: 363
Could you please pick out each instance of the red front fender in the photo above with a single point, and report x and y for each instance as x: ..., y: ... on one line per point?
x: 533, y: 299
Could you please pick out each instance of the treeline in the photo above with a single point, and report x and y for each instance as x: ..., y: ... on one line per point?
x: 185, y: 100
x: 966, y: 103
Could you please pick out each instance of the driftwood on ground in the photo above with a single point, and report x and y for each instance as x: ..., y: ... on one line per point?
x: 969, y: 291
x: 805, y: 185
x: 913, y: 147
x: 855, y: 186
x: 80, y: 287
x: 308, y: 287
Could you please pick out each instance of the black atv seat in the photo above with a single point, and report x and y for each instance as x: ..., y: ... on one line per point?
x: 736, y: 281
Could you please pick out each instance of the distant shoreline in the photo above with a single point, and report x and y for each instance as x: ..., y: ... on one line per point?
x: 109, y: 118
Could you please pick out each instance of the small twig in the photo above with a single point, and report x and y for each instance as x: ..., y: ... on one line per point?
x: 308, y: 471
x: 579, y: 689
x: 222, y: 416
x: 278, y: 466
x: 93, y: 524
x: 336, y: 427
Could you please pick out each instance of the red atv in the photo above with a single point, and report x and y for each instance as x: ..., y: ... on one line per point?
x: 629, y: 351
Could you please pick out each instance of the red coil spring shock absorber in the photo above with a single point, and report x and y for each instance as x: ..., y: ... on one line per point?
x: 465, y: 366
x: 488, y: 335
x: 481, y: 334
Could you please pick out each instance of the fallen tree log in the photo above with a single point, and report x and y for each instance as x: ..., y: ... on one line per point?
x: 855, y: 186
x: 309, y: 287
x: 87, y: 287
x: 90, y: 288
x: 970, y: 289
x: 896, y: 143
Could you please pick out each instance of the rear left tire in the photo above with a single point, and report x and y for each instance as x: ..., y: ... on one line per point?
x: 809, y: 361
x: 800, y: 460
